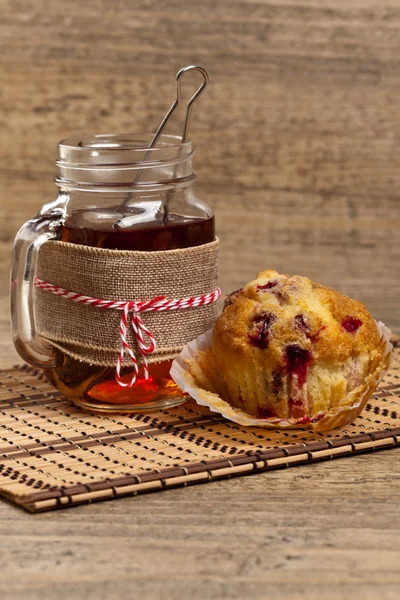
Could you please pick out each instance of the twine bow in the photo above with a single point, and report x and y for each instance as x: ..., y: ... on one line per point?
x: 131, y: 312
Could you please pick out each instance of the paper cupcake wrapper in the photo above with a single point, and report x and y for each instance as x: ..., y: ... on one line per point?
x: 186, y: 372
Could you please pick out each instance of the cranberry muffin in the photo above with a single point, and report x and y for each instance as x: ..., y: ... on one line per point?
x: 290, y: 348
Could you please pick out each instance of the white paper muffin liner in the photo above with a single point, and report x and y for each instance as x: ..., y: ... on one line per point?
x: 185, y: 364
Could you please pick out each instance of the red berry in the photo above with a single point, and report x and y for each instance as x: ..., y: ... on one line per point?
x: 267, y: 286
x: 351, y: 324
x: 265, y: 412
x: 297, y: 362
x: 263, y: 322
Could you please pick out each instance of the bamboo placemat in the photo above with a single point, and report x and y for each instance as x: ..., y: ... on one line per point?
x: 53, y: 454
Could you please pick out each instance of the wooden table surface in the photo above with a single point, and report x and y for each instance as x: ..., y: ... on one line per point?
x: 327, y: 530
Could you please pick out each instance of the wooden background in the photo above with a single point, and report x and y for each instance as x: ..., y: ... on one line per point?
x: 297, y: 136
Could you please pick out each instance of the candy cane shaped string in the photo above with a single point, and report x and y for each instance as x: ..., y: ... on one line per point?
x: 131, y: 312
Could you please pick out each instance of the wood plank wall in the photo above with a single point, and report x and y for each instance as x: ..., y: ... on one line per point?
x: 297, y: 136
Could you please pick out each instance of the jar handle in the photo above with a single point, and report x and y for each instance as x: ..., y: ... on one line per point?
x: 29, y: 344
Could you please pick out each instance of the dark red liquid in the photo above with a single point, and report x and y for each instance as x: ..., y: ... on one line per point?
x: 88, y: 383
x: 169, y: 234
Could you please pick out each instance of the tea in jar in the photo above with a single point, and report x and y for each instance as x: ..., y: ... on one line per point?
x: 117, y: 274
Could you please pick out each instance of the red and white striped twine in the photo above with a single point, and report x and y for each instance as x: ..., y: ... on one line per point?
x: 139, y: 328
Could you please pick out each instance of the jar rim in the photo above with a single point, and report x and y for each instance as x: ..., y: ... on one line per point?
x: 133, y: 143
x: 110, y: 159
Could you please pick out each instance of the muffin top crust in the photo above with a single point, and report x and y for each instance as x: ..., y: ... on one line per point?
x: 291, y: 322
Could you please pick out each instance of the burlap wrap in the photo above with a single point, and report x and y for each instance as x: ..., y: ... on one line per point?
x: 91, y: 334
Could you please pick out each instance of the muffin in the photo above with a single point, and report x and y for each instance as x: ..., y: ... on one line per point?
x: 286, y: 347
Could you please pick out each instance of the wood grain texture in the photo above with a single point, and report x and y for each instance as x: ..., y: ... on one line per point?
x: 297, y: 150
x: 297, y: 137
x: 323, y: 531
x: 327, y: 530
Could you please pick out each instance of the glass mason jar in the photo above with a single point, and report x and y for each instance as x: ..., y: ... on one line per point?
x: 114, y: 193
